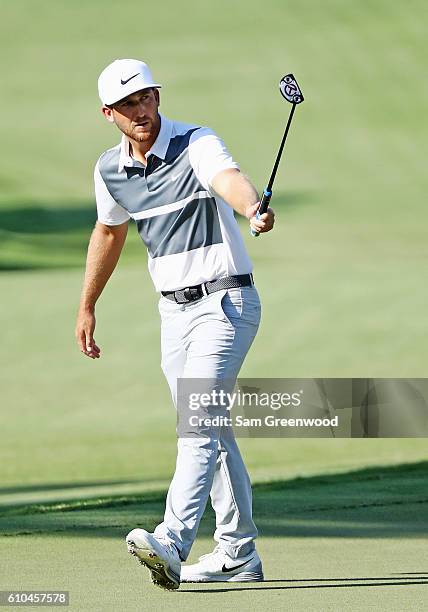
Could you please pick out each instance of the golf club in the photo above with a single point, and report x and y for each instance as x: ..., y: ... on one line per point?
x: 291, y: 92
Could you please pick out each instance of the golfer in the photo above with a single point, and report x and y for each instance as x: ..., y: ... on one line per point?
x: 180, y: 185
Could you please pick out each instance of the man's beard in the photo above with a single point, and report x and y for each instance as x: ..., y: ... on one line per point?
x: 139, y: 136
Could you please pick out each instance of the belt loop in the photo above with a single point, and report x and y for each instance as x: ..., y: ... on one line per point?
x: 204, y: 289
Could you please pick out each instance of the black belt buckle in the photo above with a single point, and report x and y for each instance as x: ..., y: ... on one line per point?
x: 192, y: 294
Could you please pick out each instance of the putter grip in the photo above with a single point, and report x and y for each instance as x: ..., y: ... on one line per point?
x: 262, y: 208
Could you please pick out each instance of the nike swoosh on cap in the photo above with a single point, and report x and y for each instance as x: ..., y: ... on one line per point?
x: 230, y: 569
x: 127, y: 80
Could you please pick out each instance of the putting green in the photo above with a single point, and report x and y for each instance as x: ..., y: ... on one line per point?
x: 313, y: 574
x: 348, y: 541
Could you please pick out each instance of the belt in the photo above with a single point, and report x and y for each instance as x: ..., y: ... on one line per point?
x: 191, y: 294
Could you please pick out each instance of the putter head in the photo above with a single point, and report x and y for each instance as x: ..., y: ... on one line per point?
x: 290, y: 90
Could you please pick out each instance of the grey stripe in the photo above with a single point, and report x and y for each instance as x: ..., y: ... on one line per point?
x: 138, y: 189
x: 194, y: 226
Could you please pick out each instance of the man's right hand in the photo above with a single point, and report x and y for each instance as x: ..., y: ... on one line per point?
x: 85, y: 327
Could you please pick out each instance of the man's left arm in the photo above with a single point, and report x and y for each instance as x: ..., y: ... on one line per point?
x: 237, y: 191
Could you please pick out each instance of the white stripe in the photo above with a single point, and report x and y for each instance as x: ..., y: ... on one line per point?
x: 194, y: 267
x: 179, y: 270
x: 167, y: 208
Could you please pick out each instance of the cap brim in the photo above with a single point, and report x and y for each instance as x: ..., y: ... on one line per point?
x: 133, y: 88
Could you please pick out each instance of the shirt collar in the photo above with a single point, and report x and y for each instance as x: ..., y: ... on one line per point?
x: 159, y: 147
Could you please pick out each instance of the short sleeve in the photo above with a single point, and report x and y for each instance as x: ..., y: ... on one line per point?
x: 208, y: 156
x: 109, y: 211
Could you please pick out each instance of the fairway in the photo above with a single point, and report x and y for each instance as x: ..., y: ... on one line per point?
x: 349, y: 541
x: 88, y: 448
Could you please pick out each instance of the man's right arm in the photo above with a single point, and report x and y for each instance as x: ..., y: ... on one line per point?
x: 105, y: 247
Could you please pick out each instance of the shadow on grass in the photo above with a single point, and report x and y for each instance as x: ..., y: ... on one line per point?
x: 34, y: 218
x: 56, y: 486
x: 35, y: 237
x: 320, y: 583
x: 373, y: 502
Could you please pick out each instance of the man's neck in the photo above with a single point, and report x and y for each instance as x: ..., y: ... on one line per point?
x: 138, y: 150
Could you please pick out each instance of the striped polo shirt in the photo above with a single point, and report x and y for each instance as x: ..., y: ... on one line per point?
x: 190, y: 233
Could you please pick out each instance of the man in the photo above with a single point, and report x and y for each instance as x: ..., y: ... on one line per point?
x: 180, y: 184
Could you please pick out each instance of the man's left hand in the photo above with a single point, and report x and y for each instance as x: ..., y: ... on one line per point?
x: 266, y: 221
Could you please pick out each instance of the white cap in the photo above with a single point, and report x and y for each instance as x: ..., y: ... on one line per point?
x: 122, y: 78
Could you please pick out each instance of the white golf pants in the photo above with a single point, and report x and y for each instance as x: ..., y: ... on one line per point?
x: 209, y: 338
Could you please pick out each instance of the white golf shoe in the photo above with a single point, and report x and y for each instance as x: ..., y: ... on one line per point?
x: 218, y: 566
x: 159, y: 556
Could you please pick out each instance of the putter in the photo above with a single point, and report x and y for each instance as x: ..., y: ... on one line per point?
x: 291, y: 92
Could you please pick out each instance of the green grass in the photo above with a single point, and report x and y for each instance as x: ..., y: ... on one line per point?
x: 342, y: 540
x: 318, y: 574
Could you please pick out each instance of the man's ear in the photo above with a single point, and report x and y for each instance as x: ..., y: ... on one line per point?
x: 157, y: 95
x: 107, y: 111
